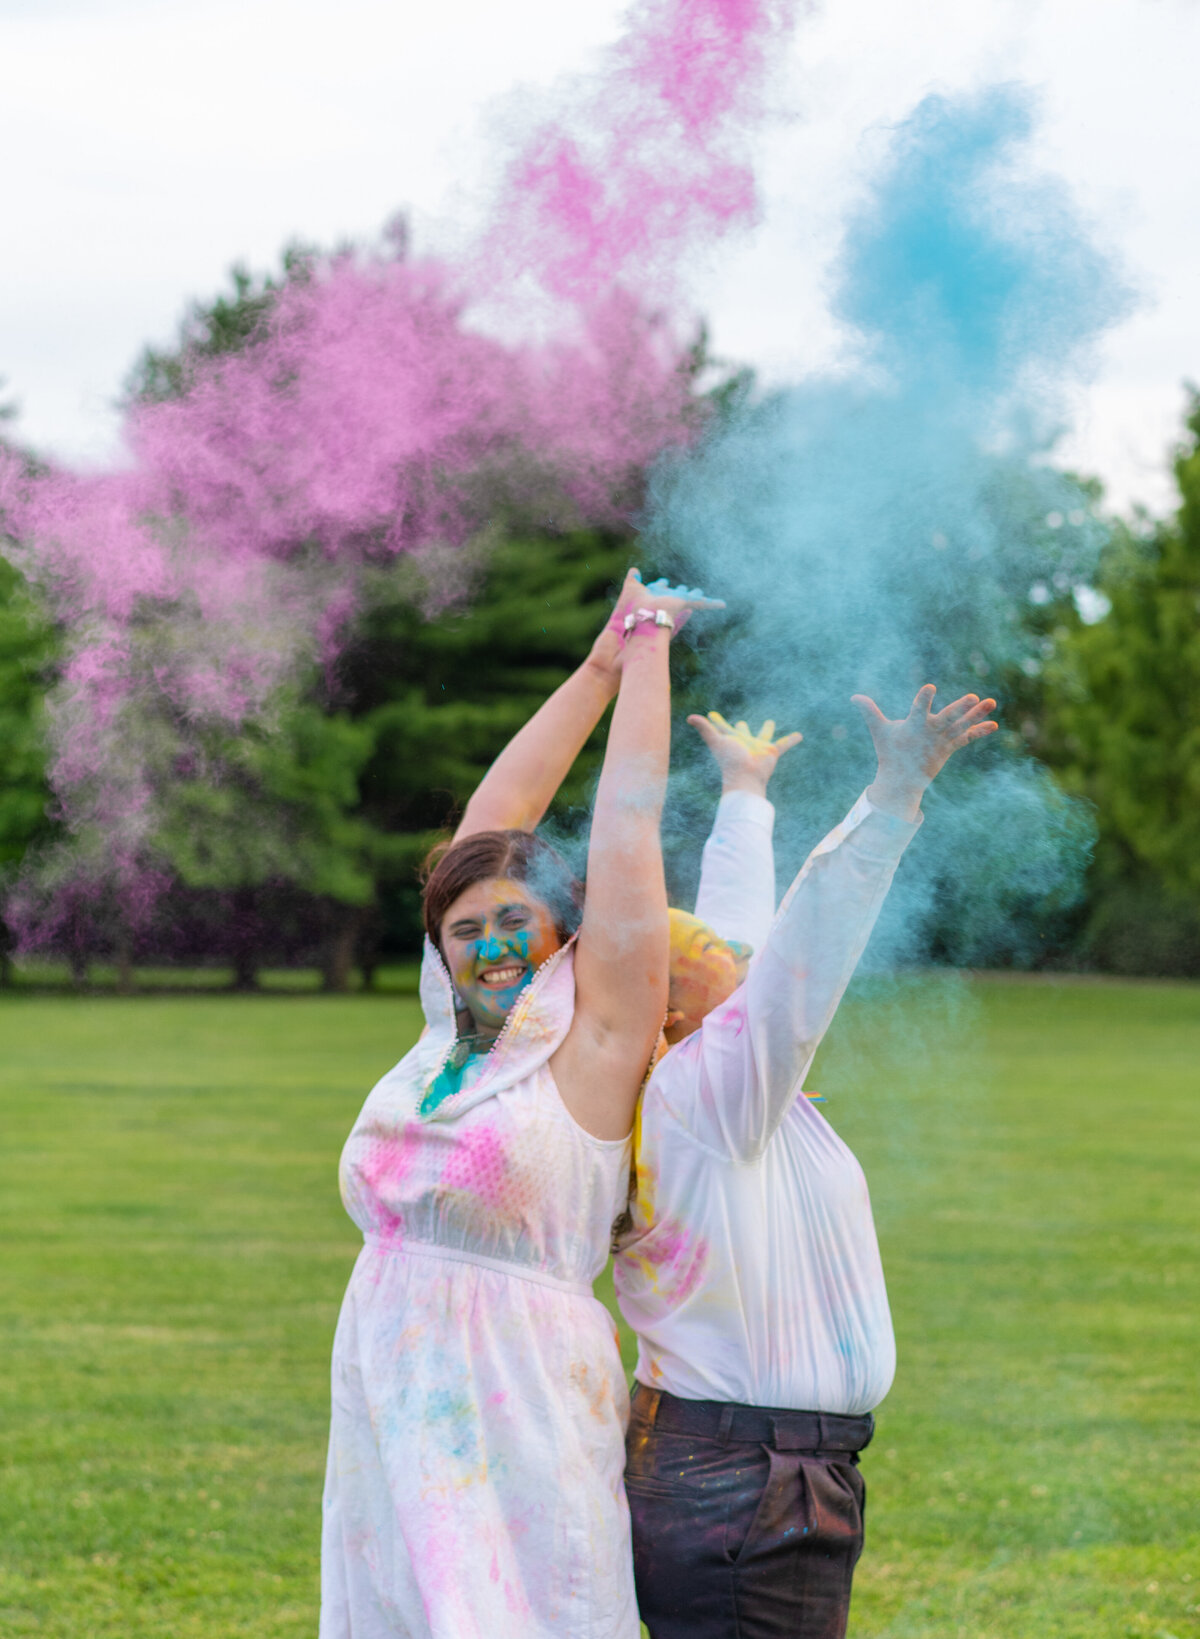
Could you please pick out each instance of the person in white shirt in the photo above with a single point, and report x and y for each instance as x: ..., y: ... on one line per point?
x: 749, y: 1267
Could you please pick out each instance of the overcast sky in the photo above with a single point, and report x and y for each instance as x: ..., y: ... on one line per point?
x: 149, y: 146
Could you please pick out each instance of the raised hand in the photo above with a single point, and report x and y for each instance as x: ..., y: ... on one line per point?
x: 610, y: 644
x: 678, y: 601
x: 912, y: 750
x: 746, y: 760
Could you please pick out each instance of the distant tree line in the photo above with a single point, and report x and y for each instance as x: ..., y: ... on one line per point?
x: 300, y: 842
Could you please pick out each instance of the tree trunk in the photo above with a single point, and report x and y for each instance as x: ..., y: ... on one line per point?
x: 243, y: 943
x: 370, y: 956
x: 339, y: 950
x: 124, y: 955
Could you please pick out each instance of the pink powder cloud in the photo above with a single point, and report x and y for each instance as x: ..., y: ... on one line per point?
x: 373, y: 417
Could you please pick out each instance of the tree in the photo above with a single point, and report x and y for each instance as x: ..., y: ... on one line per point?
x: 1123, y: 726
x: 223, y: 325
x: 306, y: 830
x: 221, y: 766
x: 442, y: 687
x: 270, y: 806
x: 26, y: 658
x: 448, y: 653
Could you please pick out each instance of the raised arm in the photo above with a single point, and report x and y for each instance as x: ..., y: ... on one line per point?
x: 736, y: 896
x: 520, y: 785
x: 621, y: 954
x: 733, y: 1081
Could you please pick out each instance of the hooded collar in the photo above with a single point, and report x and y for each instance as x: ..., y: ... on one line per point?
x: 533, y: 1031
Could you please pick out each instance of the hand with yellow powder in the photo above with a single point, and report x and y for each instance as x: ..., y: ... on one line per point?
x: 746, y: 760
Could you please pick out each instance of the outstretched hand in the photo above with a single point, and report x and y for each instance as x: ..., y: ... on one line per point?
x: 746, y: 760
x: 912, y: 750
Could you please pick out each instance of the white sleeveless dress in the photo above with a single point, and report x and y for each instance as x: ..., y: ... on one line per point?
x: 474, y: 1484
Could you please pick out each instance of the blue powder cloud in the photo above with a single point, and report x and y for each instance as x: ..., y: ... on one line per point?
x: 885, y: 527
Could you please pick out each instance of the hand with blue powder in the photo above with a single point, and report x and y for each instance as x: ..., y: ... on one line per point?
x: 677, y: 601
x: 746, y: 760
x: 912, y: 750
x: 520, y: 785
x: 680, y: 602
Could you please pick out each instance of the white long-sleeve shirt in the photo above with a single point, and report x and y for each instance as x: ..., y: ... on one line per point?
x: 736, y: 896
x: 752, y: 1270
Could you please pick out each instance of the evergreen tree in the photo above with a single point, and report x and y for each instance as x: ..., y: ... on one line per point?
x: 26, y: 658
x: 442, y: 687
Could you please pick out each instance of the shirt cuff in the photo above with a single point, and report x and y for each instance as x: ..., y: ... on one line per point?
x: 905, y: 828
x: 873, y: 826
x: 736, y: 806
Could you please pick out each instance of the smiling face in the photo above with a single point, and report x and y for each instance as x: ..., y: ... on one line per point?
x: 705, y: 971
x: 494, y: 937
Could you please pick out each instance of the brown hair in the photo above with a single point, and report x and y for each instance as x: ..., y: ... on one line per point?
x: 454, y: 867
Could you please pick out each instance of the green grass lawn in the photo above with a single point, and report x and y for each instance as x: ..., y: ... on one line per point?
x: 175, y: 1252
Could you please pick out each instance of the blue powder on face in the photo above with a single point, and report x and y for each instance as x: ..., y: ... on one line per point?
x: 885, y: 528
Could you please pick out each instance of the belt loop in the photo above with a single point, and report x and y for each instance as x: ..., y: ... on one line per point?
x: 654, y: 1397
x: 724, y: 1426
x: 822, y: 1432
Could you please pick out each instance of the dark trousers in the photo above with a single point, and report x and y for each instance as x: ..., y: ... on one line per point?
x: 747, y: 1522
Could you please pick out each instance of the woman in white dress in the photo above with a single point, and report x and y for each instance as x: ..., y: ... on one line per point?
x: 473, y: 1488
